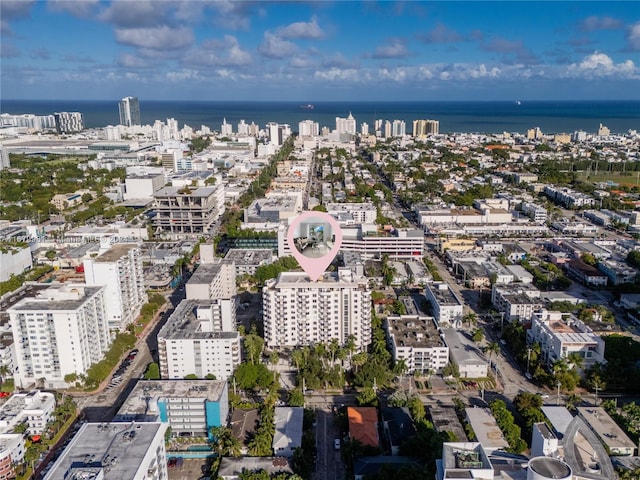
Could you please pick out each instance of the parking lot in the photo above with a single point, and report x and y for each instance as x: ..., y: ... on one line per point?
x: 191, y: 469
x: 117, y: 377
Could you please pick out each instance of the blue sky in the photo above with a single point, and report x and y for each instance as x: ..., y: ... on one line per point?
x: 324, y: 50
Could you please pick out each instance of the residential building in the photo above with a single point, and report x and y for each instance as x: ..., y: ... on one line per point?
x: 567, y: 197
x: 68, y: 122
x: 129, y: 108
x: 142, y: 186
x: 618, y: 272
x: 464, y: 460
x: 517, y: 302
x: 415, y: 340
x: 232, y: 468
x: 190, y: 407
x: 183, y: 211
x: 586, y: 274
x: 374, y: 242
x: 244, y: 424
x: 346, y: 125
x: 308, y: 128
x: 445, y: 419
x: 60, y: 331
x: 447, y: 308
x: 465, y: 354
x: 422, y: 128
x: 194, y: 340
x: 559, y: 337
x: 536, y: 213
x: 12, y: 450
x: 288, y: 433
x: 486, y: 429
x: 352, y: 213
x: 397, y: 426
x: 113, y: 451
x: 363, y: 425
x: 610, y: 434
x: 247, y: 261
x: 271, y: 210
x: 298, y: 311
x: 211, y: 281
x: 14, y: 261
x: 34, y: 409
x: 119, y: 270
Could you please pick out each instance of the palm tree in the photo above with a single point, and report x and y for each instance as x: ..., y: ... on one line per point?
x: 297, y: 356
x: 573, y: 400
x: 471, y: 318
x: 492, y: 348
x: 575, y: 360
x: 358, y: 360
x: 224, y: 443
x: 597, y: 383
x: 350, y: 346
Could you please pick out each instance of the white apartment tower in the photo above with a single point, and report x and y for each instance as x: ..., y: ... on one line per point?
x: 60, y: 331
x: 226, y: 128
x: 346, y: 125
x: 298, y: 311
x: 399, y: 128
x: 129, y: 111
x: 364, y: 128
x: 308, y: 128
x: 68, y: 122
x: 119, y: 269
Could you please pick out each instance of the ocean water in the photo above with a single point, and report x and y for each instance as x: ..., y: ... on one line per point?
x: 484, y: 117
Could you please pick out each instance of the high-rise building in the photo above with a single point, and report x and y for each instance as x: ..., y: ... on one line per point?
x: 188, y: 211
x: 364, y: 128
x: 399, y: 128
x: 226, y: 128
x: 298, y: 311
x: 62, y: 330
x: 603, y: 131
x: 346, y: 125
x: 308, y: 128
x: 191, y: 342
x: 422, y: 128
x: 119, y: 269
x: 68, y: 122
x: 129, y: 111
x: 387, y: 129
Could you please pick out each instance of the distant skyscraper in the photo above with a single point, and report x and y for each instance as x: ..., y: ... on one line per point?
x: 68, y: 122
x: 308, y: 128
x: 346, y: 125
x: 129, y: 111
x: 423, y: 128
x: 399, y: 128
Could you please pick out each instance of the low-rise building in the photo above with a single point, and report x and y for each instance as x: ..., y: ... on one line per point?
x: 34, y: 409
x: 215, y: 280
x: 464, y: 460
x: 447, y: 308
x: 232, y: 468
x: 486, y: 429
x: 616, y: 441
x: 518, y: 302
x: 12, y: 450
x: 113, y: 451
x: 618, y: 272
x: 244, y: 424
x: 416, y: 340
x: 397, y: 426
x: 465, y: 355
x: 14, y: 261
x: 363, y: 425
x: 586, y: 274
x: 247, y: 261
x: 288, y: 433
x: 559, y: 337
x: 190, y: 407
x: 445, y: 419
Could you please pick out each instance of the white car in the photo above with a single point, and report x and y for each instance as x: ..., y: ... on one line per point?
x: 336, y: 443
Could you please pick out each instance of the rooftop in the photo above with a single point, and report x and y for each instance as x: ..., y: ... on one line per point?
x: 445, y: 419
x: 486, y: 428
x: 116, y: 449
x: 414, y: 331
x: 363, y: 424
x: 116, y: 252
x: 243, y: 256
x: 288, y: 422
x: 205, y: 273
x: 462, y: 349
x: 184, y: 323
x: 233, y: 467
x: 61, y: 297
x: 244, y: 424
x: 443, y: 294
x: 194, y: 192
x: 464, y: 456
x: 137, y: 403
x: 398, y: 421
x: 608, y: 430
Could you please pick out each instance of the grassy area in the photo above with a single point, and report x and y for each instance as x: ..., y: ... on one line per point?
x: 629, y: 179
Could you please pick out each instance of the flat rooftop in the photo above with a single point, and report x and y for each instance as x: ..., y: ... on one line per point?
x: 137, y: 401
x: 98, y: 445
x: 463, y: 350
x: 183, y: 323
x: 444, y: 296
x: 195, y: 192
x: 205, y: 273
x: 486, y: 428
x: 58, y: 297
x: 445, y: 419
x: 414, y: 331
x: 608, y: 430
x: 464, y: 456
x: 115, y: 252
x: 244, y: 256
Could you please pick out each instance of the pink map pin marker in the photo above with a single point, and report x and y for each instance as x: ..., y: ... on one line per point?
x: 314, y: 239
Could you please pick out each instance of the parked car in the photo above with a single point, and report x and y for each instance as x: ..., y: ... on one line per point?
x: 336, y: 443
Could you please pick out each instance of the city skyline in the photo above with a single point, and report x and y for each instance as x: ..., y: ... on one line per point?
x: 317, y: 51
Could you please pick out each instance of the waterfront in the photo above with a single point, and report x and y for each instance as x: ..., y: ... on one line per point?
x: 486, y: 117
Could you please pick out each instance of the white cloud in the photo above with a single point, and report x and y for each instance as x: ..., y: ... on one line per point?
x: 396, y: 48
x: 136, y: 14
x: 275, y: 47
x: 132, y: 61
x: 186, y: 74
x: 633, y: 36
x: 225, y: 52
x: 592, y: 23
x: 338, y: 74
x: 81, y: 9
x: 599, y: 65
x: 159, y: 38
x: 309, y: 30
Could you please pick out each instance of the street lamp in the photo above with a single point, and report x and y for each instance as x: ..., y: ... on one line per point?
x: 558, y: 402
x: 528, y: 358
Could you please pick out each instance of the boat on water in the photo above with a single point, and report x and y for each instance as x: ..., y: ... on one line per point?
x: 308, y: 106
x: 518, y: 102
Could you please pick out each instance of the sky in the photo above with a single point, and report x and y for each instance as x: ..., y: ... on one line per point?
x: 319, y: 50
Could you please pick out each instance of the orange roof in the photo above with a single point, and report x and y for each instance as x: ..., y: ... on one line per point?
x: 363, y: 423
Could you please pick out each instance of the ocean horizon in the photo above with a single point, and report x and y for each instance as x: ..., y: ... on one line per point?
x: 515, y: 116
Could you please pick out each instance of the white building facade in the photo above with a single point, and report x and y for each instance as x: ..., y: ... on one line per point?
x: 299, y: 312
x: 61, y: 331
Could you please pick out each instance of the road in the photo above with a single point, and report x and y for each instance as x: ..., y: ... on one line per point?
x: 329, y: 465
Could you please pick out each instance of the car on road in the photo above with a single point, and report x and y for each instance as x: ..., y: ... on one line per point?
x: 308, y: 391
x: 336, y: 443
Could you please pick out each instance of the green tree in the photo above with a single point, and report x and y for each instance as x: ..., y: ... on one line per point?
x: 478, y: 335
x: 224, y: 443
x: 296, y: 398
